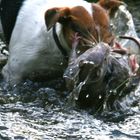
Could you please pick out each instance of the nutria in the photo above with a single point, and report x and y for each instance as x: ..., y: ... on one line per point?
x: 98, y: 76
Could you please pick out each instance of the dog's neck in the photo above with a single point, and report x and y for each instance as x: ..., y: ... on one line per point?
x: 60, y: 40
x: 58, y: 43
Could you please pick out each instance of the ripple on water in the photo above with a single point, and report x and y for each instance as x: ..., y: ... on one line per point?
x: 32, y: 120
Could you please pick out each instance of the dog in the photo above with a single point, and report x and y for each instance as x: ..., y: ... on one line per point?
x: 41, y: 38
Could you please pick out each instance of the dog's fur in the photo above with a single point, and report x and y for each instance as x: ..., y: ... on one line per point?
x: 32, y: 47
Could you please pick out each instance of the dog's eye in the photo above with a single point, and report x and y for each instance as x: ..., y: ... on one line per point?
x: 75, y: 27
x: 81, y: 31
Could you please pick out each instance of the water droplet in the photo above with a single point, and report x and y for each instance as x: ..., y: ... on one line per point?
x: 114, y: 92
x: 71, y: 72
x: 91, y: 62
x: 14, y: 85
x: 87, y: 95
x: 61, y: 63
x: 100, y: 96
x: 110, y: 91
x: 78, y: 51
x: 93, y: 43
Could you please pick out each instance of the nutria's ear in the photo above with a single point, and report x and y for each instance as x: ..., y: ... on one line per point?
x: 54, y: 15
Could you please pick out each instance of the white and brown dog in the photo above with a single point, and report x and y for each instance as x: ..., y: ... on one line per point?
x: 42, y: 36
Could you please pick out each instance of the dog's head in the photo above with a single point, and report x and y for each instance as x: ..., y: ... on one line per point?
x: 93, y: 26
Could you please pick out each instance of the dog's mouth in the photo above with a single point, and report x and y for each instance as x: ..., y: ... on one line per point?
x: 84, y: 44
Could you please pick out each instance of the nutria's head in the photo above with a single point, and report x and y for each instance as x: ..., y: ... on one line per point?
x: 88, y: 70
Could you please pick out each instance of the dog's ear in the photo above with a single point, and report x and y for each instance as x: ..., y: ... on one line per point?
x: 111, y: 5
x: 54, y: 15
x: 107, y: 4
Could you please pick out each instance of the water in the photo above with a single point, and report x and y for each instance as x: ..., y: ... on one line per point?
x: 133, y: 6
x: 39, y: 111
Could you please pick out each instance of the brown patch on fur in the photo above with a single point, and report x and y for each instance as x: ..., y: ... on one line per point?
x: 81, y: 22
x: 102, y: 22
x: 94, y: 27
x: 76, y: 19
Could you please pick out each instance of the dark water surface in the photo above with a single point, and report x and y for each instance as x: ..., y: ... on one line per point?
x: 39, y: 111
